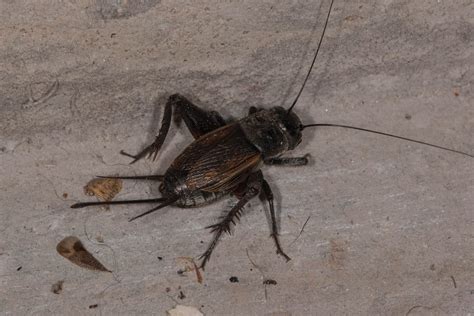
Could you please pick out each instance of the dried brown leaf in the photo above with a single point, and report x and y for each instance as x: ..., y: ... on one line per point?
x: 105, y: 189
x: 72, y: 249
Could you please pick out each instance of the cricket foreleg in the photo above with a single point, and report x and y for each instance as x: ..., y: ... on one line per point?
x: 268, y: 195
x: 254, y: 109
x: 288, y: 161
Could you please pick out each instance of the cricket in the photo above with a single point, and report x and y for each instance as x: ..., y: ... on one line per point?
x: 226, y: 156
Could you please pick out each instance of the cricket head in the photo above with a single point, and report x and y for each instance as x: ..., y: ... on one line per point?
x: 273, y: 131
x: 290, y: 125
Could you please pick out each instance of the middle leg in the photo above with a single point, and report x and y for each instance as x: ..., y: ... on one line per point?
x: 268, y: 195
x: 288, y: 161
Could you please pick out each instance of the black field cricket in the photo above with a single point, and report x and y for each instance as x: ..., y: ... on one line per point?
x: 225, y: 158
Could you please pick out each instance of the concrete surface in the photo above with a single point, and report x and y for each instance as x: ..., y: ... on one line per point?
x: 391, y: 223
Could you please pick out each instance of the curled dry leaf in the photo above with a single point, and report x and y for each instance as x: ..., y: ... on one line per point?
x: 182, y: 310
x: 105, y: 189
x: 72, y: 249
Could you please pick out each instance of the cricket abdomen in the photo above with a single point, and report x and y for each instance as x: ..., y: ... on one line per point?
x: 174, y: 184
x: 199, y: 198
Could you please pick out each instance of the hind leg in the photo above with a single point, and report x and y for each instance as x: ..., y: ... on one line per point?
x: 197, y: 120
x: 254, y: 186
x: 251, y: 190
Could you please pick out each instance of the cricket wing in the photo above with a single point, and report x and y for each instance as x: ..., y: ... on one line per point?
x: 219, y: 160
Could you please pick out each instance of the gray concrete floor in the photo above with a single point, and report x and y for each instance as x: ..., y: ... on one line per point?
x: 391, y: 223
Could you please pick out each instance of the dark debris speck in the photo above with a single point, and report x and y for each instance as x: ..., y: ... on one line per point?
x: 57, y: 287
x: 234, y: 279
x: 270, y: 282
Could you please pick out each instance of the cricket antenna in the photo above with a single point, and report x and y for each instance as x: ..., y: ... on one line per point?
x: 389, y: 135
x: 314, y: 59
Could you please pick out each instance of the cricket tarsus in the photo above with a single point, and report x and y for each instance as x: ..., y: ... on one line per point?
x: 84, y: 204
x: 314, y: 58
x: 389, y: 135
x: 167, y: 201
x: 155, y: 147
x: 122, y: 152
x: 268, y: 195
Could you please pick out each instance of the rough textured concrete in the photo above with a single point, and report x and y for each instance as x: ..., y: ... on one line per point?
x: 391, y: 223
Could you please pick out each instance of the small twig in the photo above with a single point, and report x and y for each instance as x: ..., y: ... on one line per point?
x: 46, y: 96
x: 414, y: 307
x: 55, y: 191
x: 101, y: 159
x: 417, y: 306
x: 259, y: 270
x: 254, y: 264
x: 114, y: 272
x: 301, y: 231
x: 172, y: 298
x: 194, y: 267
x: 454, y: 282
x: 73, y: 105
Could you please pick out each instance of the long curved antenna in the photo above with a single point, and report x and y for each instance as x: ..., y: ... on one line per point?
x: 389, y: 135
x: 149, y: 177
x: 314, y: 59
